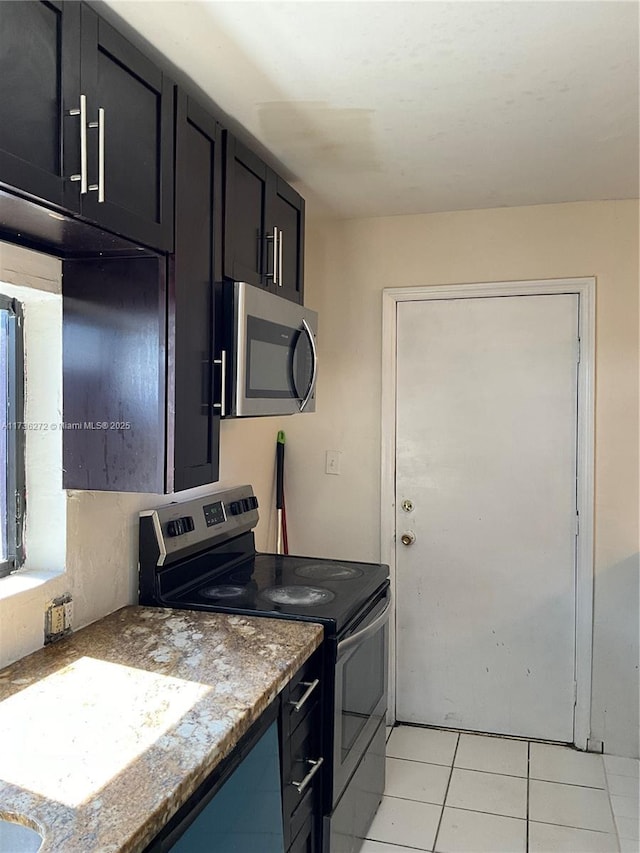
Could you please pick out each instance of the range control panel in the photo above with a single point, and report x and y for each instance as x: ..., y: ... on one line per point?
x: 201, y: 522
x: 214, y: 514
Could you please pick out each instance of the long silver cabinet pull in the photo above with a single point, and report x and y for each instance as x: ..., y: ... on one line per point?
x: 276, y: 271
x: 315, y: 766
x: 280, y: 241
x: 274, y: 238
x: 311, y: 686
x: 82, y: 112
x: 314, y: 369
x: 100, y: 185
x: 222, y: 361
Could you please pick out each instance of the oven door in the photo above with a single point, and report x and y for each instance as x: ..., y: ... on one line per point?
x: 274, y: 354
x: 360, y: 691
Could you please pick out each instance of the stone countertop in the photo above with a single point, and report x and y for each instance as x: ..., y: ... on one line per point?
x: 105, y: 734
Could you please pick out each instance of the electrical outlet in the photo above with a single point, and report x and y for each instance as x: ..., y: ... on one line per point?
x: 68, y: 614
x: 332, y: 463
x: 58, y: 618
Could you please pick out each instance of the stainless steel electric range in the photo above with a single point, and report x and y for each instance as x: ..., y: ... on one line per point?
x: 200, y: 555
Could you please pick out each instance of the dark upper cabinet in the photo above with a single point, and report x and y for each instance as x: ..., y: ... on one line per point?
x: 85, y: 120
x: 114, y: 364
x: 39, y: 78
x: 142, y: 383
x: 129, y: 137
x: 263, y: 225
x: 193, y: 317
x: 245, y: 239
x: 285, y: 223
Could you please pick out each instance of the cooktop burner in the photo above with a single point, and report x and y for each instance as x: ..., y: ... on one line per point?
x: 307, y: 596
x: 223, y: 591
x: 329, y: 571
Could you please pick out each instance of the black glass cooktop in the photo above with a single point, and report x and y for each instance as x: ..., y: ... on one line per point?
x: 328, y: 591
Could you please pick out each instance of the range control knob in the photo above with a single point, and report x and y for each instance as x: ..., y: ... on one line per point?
x: 179, y: 526
x: 244, y: 505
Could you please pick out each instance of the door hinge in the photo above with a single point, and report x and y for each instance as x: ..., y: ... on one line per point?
x: 579, y: 354
x: 577, y: 524
x: 575, y: 693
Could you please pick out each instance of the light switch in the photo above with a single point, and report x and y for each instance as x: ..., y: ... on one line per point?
x: 332, y: 462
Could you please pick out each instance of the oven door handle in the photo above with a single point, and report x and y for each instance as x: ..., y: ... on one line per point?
x: 365, y: 633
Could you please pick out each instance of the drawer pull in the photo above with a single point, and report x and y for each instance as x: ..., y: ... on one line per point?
x: 311, y: 686
x: 315, y: 766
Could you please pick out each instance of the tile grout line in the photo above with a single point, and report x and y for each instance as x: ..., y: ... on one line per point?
x: 526, y: 847
x: 544, y: 822
x: 616, y: 829
x: 475, y: 770
x: 574, y: 826
x: 446, y: 792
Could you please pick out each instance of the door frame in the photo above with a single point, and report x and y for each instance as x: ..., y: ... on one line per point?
x: 585, y: 288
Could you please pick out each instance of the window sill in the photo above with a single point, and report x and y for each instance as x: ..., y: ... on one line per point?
x: 26, y: 580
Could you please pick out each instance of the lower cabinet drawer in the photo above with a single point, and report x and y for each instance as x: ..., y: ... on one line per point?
x: 306, y: 839
x: 302, y: 764
x: 304, y: 755
x: 303, y: 695
x: 303, y: 812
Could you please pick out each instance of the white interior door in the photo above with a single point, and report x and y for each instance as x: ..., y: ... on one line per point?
x: 486, y: 455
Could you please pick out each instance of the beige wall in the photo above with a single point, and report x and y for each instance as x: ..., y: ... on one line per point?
x: 349, y: 263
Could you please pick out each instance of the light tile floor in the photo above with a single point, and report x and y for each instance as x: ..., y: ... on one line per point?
x: 462, y: 793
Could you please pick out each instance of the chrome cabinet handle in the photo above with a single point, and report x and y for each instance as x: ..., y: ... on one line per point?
x: 100, y: 185
x: 222, y: 361
x: 311, y: 686
x: 280, y: 241
x: 82, y: 112
x: 314, y: 369
x: 274, y: 275
x: 276, y: 271
x: 315, y: 766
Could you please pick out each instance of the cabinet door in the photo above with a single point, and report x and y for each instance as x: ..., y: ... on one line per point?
x: 248, y: 254
x: 196, y: 267
x: 113, y: 376
x: 131, y: 184
x: 39, y: 74
x: 285, y: 212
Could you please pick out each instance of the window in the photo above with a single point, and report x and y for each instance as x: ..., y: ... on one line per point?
x: 12, y: 426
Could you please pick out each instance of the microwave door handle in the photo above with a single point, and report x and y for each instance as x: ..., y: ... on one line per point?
x: 222, y: 405
x: 314, y: 366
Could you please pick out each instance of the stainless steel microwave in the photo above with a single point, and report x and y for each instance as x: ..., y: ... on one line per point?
x: 270, y: 353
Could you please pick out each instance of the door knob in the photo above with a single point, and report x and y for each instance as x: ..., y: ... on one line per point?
x: 408, y: 538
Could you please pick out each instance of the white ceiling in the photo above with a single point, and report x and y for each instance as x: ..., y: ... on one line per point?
x: 383, y: 108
